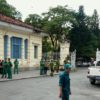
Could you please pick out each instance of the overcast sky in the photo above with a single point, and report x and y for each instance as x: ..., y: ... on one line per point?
x: 39, y: 6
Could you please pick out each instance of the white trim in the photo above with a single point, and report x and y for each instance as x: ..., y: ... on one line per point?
x: 16, y: 28
x: 12, y: 27
x: 44, y: 34
x: 37, y: 44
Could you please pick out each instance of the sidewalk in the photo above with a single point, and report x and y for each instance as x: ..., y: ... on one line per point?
x: 25, y: 75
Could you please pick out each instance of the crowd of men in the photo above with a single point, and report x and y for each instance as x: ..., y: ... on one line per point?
x: 52, y: 65
x: 6, y: 68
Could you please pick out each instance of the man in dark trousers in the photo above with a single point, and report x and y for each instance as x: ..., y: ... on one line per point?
x: 0, y: 66
x: 4, y: 68
x: 42, y: 67
x: 45, y: 67
x: 16, y: 63
x: 9, y: 71
x: 51, y: 68
x: 64, y: 84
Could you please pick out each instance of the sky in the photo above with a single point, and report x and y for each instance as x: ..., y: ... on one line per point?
x: 27, y: 7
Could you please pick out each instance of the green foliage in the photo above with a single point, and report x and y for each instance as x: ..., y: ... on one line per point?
x: 84, y: 35
x: 62, y: 23
x: 57, y: 23
x: 46, y: 45
x: 9, y: 10
x: 35, y: 20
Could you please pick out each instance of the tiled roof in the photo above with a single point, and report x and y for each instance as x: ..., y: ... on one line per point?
x: 6, y: 19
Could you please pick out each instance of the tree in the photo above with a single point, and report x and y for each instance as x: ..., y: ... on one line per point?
x: 82, y: 37
x: 34, y: 20
x: 9, y: 10
x: 46, y: 45
x: 78, y: 30
x: 95, y: 22
x: 57, y: 23
x: 95, y: 27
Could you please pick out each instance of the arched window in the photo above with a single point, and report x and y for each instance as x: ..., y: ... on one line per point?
x: 5, y: 46
x: 26, y: 48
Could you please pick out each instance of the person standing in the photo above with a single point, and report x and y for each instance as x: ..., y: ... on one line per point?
x: 41, y: 67
x: 57, y: 66
x: 65, y: 62
x: 45, y: 67
x: 4, y: 68
x: 0, y: 66
x: 64, y: 84
x: 16, y: 63
x: 51, y: 68
x: 9, y: 71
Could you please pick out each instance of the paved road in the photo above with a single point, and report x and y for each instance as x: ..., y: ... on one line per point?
x: 46, y: 88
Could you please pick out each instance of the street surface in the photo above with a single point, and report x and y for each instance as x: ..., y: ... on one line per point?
x: 46, y: 88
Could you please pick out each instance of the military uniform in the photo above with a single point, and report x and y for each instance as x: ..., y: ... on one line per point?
x: 51, y: 68
x: 57, y: 65
x: 45, y: 67
x: 9, y: 71
x: 41, y: 67
x: 16, y: 66
x: 64, y: 83
x: 4, y: 70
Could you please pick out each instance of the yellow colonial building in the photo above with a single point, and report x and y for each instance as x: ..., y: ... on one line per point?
x: 21, y: 41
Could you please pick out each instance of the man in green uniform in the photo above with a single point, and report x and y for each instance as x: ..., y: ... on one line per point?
x: 4, y: 70
x: 57, y: 65
x: 41, y: 67
x: 64, y: 83
x: 9, y: 71
x: 51, y: 68
x: 16, y: 63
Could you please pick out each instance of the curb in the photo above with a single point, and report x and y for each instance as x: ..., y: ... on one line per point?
x: 38, y: 76
x: 25, y: 78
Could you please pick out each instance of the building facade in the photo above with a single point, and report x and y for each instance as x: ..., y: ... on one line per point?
x: 21, y: 41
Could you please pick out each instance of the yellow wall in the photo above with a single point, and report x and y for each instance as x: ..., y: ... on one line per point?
x: 33, y: 39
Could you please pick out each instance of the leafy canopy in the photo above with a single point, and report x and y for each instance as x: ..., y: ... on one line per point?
x: 9, y: 10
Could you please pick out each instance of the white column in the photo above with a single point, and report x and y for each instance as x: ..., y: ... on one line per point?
x: 2, y: 46
x: 29, y: 51
x: 73, y: 59
x: 64, y: 51
x: 22, y: 52
x: 9, y: 47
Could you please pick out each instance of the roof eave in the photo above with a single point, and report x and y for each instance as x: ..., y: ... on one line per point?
x: 11, y: 27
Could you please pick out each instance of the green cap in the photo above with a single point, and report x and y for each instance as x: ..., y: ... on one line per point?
x: 67, y: 66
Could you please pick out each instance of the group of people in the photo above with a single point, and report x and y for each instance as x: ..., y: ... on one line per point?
x: 64, y: 78
x: 6, y: 68
x: 45, y: 66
